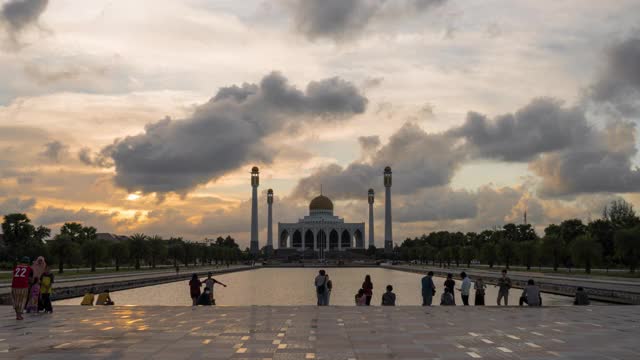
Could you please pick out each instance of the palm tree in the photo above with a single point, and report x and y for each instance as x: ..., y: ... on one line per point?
x: 138, y: 248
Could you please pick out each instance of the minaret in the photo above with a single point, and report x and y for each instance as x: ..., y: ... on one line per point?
x: 255, y: 182
x: 388, y: 236
x: 371, y: 243
x: 269, y: 219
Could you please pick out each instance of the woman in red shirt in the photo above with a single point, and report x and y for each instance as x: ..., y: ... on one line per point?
x: 194, y: 286
x: 367, y: 286
x: 22, y: 275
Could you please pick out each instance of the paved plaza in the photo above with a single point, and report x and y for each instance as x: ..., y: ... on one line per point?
x: 309, y: 332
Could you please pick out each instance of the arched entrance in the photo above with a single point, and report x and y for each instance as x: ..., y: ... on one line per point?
x: 321, y: 239
x: 308, y: 240
x: 359, y: 239
x: 333, y: 240
x: 284, y: 239
x: 345, y: 240
x: 297, y: 239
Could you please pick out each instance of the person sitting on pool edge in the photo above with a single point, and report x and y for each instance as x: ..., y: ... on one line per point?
x: 205, y: 298
x: 87, y: 299
x: 389, y: 298
x: 582, y: 298
x: 104, y: 299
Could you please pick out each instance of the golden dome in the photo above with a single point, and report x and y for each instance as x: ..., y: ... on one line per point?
x: 321, y: 203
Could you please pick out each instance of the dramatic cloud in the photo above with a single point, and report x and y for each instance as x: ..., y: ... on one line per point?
x: 54, y: 150
x: 418, y: 160
x: 16, y: 15
x: 226, y: 133
x: 603, y: 163
x: 544, y: 125
x: 619, y: 83
x: 438, y: 203
x: 16, y: 205
x: 345, y: 19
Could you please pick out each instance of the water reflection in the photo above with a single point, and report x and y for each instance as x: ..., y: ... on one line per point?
x: 274, y: 286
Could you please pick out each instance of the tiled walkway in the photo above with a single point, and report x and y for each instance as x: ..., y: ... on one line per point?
x: 370, y: 333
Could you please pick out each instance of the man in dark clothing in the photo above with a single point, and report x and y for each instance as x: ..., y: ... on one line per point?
x: 428, y: 289
x: 504, y: 284
x: 389, y: 298
x: 205, y: 299
x: 450, y: 284
x: 582, y: 298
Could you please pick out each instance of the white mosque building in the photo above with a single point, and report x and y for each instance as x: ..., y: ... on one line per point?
x: 321, y: 231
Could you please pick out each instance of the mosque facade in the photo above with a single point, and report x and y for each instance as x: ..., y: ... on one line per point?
x: 321, y: 231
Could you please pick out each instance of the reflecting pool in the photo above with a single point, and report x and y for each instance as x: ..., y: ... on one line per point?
x: 281, y: 286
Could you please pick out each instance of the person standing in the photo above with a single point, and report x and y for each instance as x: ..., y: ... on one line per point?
x: 320, y: 283
x: 389, y: 298
x: 329, y: 289
x: 46, y: 285
x: 209, y: 283
x: 582, y: 298
x: 34, y: 296
x: 531, y: 294
x: 465, y: 288
x: 450, y: 284
x: 22, y: 277
x: 504, y: 284
x: 480, y: 287
x: 194, y: 288
x: 367, y: 286
x: 428, y: 289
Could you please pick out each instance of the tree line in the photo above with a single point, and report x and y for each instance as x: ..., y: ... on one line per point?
x: 613, y: 240
x: 79, y: 245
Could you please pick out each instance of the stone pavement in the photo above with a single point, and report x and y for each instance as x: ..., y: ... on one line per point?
x: 309, y: 332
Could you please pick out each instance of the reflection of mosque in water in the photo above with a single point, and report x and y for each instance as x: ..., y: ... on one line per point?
x: 321, y: 231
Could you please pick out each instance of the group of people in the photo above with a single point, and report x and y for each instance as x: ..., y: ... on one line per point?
x: 205, y: 297
x: 531, y: 294
x: 31, y: 287
x: 104, y: 298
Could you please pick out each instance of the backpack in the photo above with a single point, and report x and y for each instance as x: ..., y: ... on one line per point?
x: 320, y: 288
x: 329, y: 285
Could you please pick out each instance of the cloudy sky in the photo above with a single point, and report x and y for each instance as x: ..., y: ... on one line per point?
x: 138, y: 116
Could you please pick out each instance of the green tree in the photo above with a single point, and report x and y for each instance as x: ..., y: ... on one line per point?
x: 586, y: 251
x: 93, y: 251
x: 157, y: 249
x: 621, y: 215
x: 468, y: 253
x: 176, y: 250
x: 627, y: 243
x: 489, y: 254
x: 138, y: 248
x: 119, y: 252
x: 602, y: 231
x: 64, y: 249
x: 18, y: 234
x: 506, y: 250
x: 528, y: 252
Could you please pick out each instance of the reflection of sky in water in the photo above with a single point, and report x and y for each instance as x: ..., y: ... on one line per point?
x: 273, y: 286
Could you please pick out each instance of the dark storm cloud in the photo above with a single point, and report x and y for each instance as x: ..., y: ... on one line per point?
x: 16, y: 205
x: 418, y: 160
x: 619, y: 83
x: 602, y: 163
x: 544, y: 125
x: 225, y: 133
x: 369, y: 144
x: 16, y: 15
x: 54, y: 150
x: 345, y: 19
x: 438, y: 203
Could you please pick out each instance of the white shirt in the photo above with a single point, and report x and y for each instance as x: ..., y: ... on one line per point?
x: 466, y: 286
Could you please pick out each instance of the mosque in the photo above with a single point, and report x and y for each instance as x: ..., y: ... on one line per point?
x: 319, y: 232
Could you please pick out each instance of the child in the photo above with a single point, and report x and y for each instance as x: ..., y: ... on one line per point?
x: 35, y: 296
x: 361, y: 298
x: 447, y: 297
x: 389, y: 298
x: 46, y: 283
